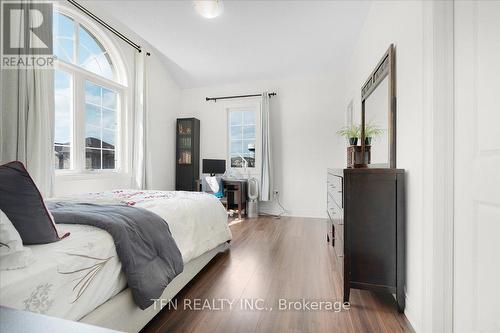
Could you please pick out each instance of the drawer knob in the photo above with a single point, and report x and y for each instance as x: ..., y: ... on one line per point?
x: 340, y: 255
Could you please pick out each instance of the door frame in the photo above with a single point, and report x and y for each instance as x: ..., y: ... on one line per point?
x: 438, y: 201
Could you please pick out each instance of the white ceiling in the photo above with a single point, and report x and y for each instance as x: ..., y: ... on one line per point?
x: 251, y: 40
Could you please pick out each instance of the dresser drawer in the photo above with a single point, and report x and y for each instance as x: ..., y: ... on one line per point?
x: 335, y: 188
x: 335, y: 213
x: 331, y: 207
x: 329, y: 231
x: 338, y: 244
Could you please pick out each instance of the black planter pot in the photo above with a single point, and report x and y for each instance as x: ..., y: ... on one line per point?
x: 368, y: 141
x: 353, y: 141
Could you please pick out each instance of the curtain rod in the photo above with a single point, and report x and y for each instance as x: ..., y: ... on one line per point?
x: 107, y: 26
x: 239, y: 96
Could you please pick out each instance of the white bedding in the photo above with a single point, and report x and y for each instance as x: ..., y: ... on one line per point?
x: 70, y: 278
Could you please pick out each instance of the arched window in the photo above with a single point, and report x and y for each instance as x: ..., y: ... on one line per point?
x: 89, y: 97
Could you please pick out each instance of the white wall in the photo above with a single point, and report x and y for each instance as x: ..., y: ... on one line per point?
x: 163, y: 107
x: 163, y: 102
x: 401, y: 23
x: 305, y: 115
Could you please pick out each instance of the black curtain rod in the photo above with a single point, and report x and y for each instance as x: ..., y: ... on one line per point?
x: 107, y: 26
x: 239, y: 96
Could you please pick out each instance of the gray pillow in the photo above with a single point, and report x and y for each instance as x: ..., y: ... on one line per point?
x: 23, y: 204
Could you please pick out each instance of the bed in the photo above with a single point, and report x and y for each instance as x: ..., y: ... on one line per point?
x: 80, y: 277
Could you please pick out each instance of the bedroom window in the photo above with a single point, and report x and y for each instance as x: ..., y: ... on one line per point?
x: 89, y: 97
x: 242, y: 136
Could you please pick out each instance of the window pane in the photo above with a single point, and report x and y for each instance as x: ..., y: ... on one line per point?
x: 236, y: 161
x: 108, y: 119
x: 100, y: 126
x: 108, y: 99
x: 92, y: 136
x: 62, y: 82
x: 108, y: 159
x: 242, y: 134
x: 249, y: 117
x: 63, y: 30
x: 235, y: 118
x: 248, y: 132
x: 246, y: 144
x: 92, y: 115
x: 62, y: 158
x: 236, y: 147
x: 108, y: 139
x: 92, y: 158
x: 63, y: 119
x: 63, y: 116
x: 235, y: 133
x: 92, y: 56
x: 250, y: 161
x: 92, y: 93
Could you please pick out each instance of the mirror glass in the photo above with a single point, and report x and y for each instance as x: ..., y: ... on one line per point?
x: 377, y: 122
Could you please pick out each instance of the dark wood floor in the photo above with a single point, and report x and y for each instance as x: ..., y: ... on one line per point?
x: 274, y: 259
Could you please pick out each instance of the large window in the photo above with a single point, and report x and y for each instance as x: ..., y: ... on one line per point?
x: 88, y: 99
x: 100, y: 127
x: 242, y: 134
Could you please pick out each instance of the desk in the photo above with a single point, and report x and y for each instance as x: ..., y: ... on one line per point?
x: 235, y: 191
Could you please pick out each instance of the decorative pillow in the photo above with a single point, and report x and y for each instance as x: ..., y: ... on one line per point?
x: 23, y: 204
x: 12, y: 253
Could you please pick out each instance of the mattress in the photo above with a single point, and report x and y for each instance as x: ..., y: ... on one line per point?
x: 121, y: 314
x: 197, y: 220
x: 69, y: 278
x: 72, y: 277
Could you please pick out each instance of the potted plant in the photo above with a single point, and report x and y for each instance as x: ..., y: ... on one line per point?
x: 351, y: 133
x: 371, y: 131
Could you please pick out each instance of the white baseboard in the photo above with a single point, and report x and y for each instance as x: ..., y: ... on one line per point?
x: 294, y: 213
x: 306, y: 213
x: 412, y: 314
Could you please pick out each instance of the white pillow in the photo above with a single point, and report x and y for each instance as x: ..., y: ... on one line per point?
x: 13, y: 255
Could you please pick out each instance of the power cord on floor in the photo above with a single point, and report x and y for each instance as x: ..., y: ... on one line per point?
x: 276, y: 197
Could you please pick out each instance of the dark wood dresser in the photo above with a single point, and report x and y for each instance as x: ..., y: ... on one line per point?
x: 366, y: 227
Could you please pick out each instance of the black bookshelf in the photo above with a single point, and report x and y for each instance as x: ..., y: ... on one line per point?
x: 187, y: 170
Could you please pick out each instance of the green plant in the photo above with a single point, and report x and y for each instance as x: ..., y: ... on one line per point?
x: 372, y: 131
x: 349, y: 131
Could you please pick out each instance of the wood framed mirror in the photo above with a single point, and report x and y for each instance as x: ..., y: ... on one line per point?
x: 378, y: 113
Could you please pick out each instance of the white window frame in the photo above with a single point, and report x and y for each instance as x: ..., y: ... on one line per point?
x: 245, y: 105
x: 79, y: 75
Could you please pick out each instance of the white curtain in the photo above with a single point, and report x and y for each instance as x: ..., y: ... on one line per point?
x: 140, y: 121
x: 266, y: 183
x: 27, y: 119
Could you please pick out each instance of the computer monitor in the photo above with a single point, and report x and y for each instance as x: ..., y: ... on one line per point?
x: 214, y: 167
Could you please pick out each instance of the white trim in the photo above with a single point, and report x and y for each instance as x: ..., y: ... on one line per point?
x: 119, y: 84
x: 438, y: 118
x: 254, y: 105
x: 90, y: 75
x: 410, y: 310
x: 115, y: 53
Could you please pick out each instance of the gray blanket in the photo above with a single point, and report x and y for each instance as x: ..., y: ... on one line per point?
x: 148, y: 253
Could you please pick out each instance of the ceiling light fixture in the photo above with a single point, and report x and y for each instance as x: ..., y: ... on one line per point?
x: 209, y: 8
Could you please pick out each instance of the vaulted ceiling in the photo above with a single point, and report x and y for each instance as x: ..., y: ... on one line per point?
x: 251, y: 40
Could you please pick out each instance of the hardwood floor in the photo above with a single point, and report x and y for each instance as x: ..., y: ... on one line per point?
x: 274, y: 259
